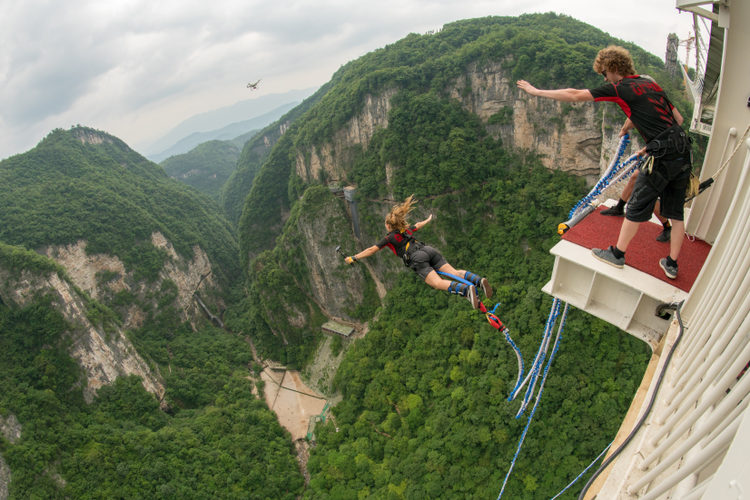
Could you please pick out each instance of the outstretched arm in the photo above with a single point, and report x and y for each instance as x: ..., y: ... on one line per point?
x: 567, y: 95
x: 421, y: 224
x: 361, y: 255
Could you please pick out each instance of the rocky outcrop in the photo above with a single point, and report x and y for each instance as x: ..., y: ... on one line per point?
x: 568, y: 136
x: 573, y: 137
x: 102, y: 276
x: 103, y: 354
x: 10, y: 428
x: 334, y: 157
x: 316, y: 229
x: 4, y: 479
x: 190, y: 276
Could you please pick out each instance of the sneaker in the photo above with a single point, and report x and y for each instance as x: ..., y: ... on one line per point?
x: 486, y: 287
x: 471, y: 295
x: 670, y: 271
x: 614, y: 210
x: 665, y: 235
x: 608, y: 256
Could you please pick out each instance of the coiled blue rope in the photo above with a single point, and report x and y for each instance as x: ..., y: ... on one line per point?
x: 553, y: 312
x: 615, y: 167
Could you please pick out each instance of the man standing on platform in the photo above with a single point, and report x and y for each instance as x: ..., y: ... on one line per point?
x: 667, y: 174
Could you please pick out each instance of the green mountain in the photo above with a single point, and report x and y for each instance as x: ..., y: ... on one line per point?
x: 206, y: 167
x: 84, y: 184
x: 424, y: 411
x: 102, y: 252
x: 115, y: 383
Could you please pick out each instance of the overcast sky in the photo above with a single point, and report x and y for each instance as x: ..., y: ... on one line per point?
x: 137, y: 68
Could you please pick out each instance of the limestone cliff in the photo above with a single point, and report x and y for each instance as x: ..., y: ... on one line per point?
x: 333, y: 158
x: 103, y: 354
x: 569, y: 137
x: 102, y: 276
x: 302, y: 276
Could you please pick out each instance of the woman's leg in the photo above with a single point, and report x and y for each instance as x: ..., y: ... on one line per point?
x: 469, y: 291
x: 435, y: 281
x: 479, y: 282
x: 447, y: 268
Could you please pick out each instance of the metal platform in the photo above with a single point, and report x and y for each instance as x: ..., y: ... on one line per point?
x: 627, y: 298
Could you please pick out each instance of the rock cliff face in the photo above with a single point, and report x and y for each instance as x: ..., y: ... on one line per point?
x: 569, y: 137
x: 334, y: 157
x: 4, y: 479
x: 102, y: 276
x: 10, y: 429
x: 577, y: 138
x: 104, y: 353
x: 316, y: 231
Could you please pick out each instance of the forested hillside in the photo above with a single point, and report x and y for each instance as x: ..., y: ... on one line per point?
x: 205, y: 167
x: 424, y: 411
x: 200, y: 429
x: 421, y: 393
x: 86, y: 184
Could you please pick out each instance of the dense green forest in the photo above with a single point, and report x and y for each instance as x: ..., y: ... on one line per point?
x: 205, y: 167
x: 222, y: 441
x: 68, y: 189
x: 423, y: 410
x: 440, y: 426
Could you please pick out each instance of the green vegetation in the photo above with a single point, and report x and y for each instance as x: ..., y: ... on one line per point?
x: 17, y: 259
x: 206, y: 167
x: 425, y: 408
x: 254, y: 154
x: 83, y: 184
x: 424, y: 411
x: 123, y: 445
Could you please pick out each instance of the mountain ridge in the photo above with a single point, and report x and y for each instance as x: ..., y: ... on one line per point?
x: 221, y: 117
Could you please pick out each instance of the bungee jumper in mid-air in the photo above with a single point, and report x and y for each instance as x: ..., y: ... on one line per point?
x: 423, y: 259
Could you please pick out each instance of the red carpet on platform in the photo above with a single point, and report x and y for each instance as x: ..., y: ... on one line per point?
x: 644, y: 252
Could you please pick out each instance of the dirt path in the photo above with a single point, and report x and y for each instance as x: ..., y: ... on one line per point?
x: 293, y: 402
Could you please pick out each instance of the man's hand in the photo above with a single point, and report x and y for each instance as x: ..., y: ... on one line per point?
x: 349, y: 260
x: 626, y: 127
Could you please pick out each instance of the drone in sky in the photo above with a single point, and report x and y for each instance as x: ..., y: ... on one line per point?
x: 253, y: 86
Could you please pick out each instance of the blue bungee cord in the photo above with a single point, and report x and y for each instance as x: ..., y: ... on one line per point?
x: 519, y: 357
x: 612, y: 169
x: 616, y: 171
x: 555, y: 305
x: 538, y: 359
x: 584, y: 471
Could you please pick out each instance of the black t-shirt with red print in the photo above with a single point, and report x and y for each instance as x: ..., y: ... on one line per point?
x: 642, y: 100
x: 397, y: 241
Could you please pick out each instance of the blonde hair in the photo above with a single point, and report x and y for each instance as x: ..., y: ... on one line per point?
x: 615, y: 59
x: 396, y: 218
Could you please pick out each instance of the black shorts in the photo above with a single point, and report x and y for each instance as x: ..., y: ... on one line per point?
x: 667, y: 182
x: 426, y: 259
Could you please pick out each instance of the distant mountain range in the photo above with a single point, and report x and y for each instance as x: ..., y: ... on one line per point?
x: 224, y: 123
